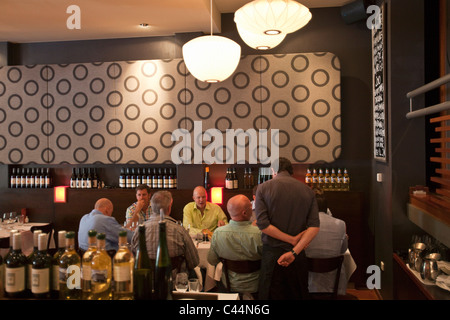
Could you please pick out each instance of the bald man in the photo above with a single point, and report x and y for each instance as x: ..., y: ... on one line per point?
x: 238, y: 241
x: 101, y: 220
x: 202, y: 216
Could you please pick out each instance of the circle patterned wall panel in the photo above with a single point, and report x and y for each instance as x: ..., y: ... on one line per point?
x: 126, y: 112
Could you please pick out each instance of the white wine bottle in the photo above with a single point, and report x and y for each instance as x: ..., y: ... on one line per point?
x: 123, y: 263
x: 101, y: 271
x: 86, y: 265
x: 15, y: 270
x: 55, y: 263
x: 70, y: 261
x: 41, y: 270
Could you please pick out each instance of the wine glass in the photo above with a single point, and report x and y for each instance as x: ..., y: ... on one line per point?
x: 12, y: 217
x: 194, y: 285
x: 181, y: 282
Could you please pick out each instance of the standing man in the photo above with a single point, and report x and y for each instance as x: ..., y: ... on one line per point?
x: 287, y: 214
x: 202, y: 216
x: 141, y: 210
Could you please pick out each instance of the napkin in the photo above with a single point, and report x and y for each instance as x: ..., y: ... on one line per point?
x: 443, y: 281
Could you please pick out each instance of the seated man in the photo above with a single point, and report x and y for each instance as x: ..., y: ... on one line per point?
x: 331, y: 241
x: 139, y: 211
x: 202, y: 216
x: 100, y: 220
x: 239, y: 240
x: 179, y: 242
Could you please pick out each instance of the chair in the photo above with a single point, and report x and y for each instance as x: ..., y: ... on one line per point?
x: 322, y: 265
x: 48, y: 229
x: 242, y: 266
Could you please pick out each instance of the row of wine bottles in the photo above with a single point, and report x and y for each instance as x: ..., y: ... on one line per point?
x: 84, y: 178
x: 94, y: 275
x: 155, y: 178
x: 232, y: 181
x: 330, y: 181
x: 30, y: 178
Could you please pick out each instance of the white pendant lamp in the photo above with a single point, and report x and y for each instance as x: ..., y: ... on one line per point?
x: 260, y: 41
x: 211, y: 58
x: 272, y: 17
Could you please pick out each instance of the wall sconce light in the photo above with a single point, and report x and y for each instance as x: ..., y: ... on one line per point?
x: 216, y: 195
x: 60, y: 194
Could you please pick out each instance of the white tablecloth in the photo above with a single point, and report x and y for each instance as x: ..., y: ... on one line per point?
x: 27, y: 236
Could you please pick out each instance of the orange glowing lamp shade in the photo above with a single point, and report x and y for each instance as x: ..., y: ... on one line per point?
x: 60, y: 195
x: 216, y: 195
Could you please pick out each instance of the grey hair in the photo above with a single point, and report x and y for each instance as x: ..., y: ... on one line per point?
x: 161, y: 200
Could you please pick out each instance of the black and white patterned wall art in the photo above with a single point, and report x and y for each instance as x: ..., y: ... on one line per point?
x: 125, y: 112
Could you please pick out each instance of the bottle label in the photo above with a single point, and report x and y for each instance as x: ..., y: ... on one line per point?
x: 99, y: 276
x: 15, y: 279
x: 229, y: 184
x: 122, y: 273
x: 40, y: 280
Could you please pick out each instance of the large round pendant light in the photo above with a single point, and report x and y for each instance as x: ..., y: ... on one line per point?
x: 260, y: 41
x: 272, y: 17
x: 211, y: 58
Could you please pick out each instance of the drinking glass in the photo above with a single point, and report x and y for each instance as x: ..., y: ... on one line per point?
x: 12, y: 217
x: 193, y: 285
x: 181, y: 282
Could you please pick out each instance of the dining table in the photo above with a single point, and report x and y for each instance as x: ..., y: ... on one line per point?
x: 26, y: 236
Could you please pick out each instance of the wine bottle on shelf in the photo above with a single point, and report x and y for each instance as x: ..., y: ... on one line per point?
x: 83, y: 179
x: 123, y: 263
x: 101, y: 271
x: 251, y: 182
x: 33, y: 178
x: 15, y: 269
x: 48, y: 178
x: 171, y: 182
x: 333, y: 179
x: 315, y: 178
x: 86, y: 260
x: 94, y: 179
x: 308, y: 177
x: 228, y: 180
x: 345, y: 181
x: 160, y: 179
x: 23, y: 179
x: 41, y: 269
x: 321, y: 178
x: 143, y: 270
x: 12, y: 178
x: 154, y: 179
x: 68, y: 260
x: 122, y: 178
x: 128, y: 179
x: 175, y: 178
x: 42, y: 178
x: 207, y: 179
x: 31, y: 256
x: 55, y: 263
x: 339, y: 180
x: 149, y: 177
x: 73, y: 179
x: 144, y: 176
x: 18, y: 178
x: 89, y: 179
x: 165, y: 179
x: 138, y: 177
x: 133, y: 179
x: 163, y: 268
x: 327, y: 180
x: 235, y: 179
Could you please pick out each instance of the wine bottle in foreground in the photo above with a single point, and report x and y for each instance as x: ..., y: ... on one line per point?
x: 101, y: 271
x: 41, y: 270
x: 86, y: 265
x: 55, y: 263
x: 123, y: 263
x: 15, y: 269
x: 143, y: 270
x: 163, y: 268
x: 69, y: 263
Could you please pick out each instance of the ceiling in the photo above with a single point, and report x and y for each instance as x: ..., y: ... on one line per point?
x: 24, y: 21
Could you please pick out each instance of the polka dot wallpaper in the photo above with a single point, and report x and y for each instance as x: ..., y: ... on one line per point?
x: 125, y: 112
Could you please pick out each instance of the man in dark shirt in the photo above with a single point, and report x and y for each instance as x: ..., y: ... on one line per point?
x: 287, y: 214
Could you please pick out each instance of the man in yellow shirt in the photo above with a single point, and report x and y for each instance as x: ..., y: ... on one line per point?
x: 202, y: 216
